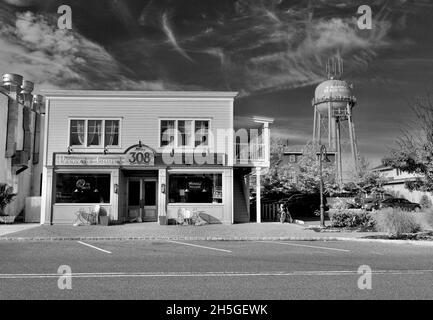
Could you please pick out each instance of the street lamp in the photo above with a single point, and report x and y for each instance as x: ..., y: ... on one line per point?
x: 323, y: 157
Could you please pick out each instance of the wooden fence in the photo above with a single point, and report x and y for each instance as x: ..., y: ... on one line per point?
x: 269, y: 212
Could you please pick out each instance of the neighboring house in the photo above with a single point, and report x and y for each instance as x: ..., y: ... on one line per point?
x: 396, y: 183
x: 21, y: 127
x: 148, y: 155
x: 291, y: 157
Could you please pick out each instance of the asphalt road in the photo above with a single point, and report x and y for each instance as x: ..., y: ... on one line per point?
x: 214, y: 270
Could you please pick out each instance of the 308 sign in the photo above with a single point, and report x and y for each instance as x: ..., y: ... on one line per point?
x: 143, y: 156
x: 139, y: 157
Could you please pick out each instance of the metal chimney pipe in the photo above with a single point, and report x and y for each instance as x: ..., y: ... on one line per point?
x: 10, y: 80
x: 27, y: 87
x: 38, y: 104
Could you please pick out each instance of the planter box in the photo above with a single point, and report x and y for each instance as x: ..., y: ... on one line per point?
x: 7, y: 219
x: 104, y: 220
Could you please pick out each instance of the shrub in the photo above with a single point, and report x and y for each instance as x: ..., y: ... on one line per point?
x: 6, y: 196
x: 339, y: 204
x: 350, y: 218
x: 425, y: 202
x: 425, y: 219
x: 396, y: 221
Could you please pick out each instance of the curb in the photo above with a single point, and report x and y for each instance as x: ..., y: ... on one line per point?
x: 52, y: 239
x: 48, y: 239
x: 412, y: 242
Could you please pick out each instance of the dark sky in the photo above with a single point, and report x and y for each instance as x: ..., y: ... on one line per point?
x: 273, y: 52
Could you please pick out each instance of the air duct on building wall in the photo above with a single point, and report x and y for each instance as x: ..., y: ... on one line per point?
x: 39, y: 108
x: 28, y: 121
x: 12, y: 84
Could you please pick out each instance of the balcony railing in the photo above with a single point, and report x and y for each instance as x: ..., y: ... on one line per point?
x: 250, y: 153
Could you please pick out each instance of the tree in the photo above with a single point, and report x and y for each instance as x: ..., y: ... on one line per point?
x: 308, y: 179
x: 285, y: 178
x: 414, y: 152
x: 364, y: 180
x: 278, y: 179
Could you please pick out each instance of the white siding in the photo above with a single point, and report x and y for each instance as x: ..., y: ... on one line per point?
x: 139, y: 117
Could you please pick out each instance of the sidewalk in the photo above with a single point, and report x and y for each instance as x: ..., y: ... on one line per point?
x: 154, y: 231
x: 16, y: 228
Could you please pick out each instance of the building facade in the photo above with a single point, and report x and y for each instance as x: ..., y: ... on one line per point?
x: 21, y: 128
x: 145, y: 156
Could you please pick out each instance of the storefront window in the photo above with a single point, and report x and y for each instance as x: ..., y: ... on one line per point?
x: 195, y: 188
x: 82, y: 188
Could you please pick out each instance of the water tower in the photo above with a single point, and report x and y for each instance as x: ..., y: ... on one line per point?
x: 333, y: 122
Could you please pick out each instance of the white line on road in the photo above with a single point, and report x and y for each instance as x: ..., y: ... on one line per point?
x: 196, y: 245
x: 307, y: 246
x: 213, y: 274
x: 89, y: 245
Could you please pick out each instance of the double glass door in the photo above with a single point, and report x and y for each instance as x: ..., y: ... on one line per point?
x: 142, y: 199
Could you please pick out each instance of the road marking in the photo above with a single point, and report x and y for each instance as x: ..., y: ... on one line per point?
x: 213, y: 274
x: 307, y: 246
x: 196, y: 245
x: 378, y: 253
x: 89, y: 245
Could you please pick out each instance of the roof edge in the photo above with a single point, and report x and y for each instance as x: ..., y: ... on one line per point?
x: 139, y: 94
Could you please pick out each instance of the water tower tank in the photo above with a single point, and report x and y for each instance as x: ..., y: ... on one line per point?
x: 335, y: 94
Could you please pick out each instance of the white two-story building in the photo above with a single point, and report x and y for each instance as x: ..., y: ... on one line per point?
x: 148, y: 154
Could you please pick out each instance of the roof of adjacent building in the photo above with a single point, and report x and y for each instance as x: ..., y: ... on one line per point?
x: 382, y: 168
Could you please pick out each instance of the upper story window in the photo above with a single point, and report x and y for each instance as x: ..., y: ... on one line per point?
x: 94, y: 132
x: 184, y: 133
x: 292, y: 158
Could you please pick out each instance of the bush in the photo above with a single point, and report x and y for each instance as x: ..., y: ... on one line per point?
x: 339, y: 204
x: 396, y: 221
x: 425, y: 219
x: 6, y: 196
x: 350, y: 218
x: 425, y: 202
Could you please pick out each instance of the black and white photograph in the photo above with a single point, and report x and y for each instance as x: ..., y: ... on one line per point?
x: 216, y: 156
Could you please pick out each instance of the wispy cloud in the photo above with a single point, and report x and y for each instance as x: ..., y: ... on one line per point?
x: 58, y: 58
x: 171, y: 37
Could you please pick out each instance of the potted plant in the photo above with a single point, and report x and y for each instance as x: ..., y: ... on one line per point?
x: 104, y: 218
x: 6, y: 197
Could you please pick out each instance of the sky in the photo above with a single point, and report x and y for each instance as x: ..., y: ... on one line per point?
x: 273, y: 52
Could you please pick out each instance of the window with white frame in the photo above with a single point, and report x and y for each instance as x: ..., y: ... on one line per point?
x: 184, y: 133
x: 94, y: 132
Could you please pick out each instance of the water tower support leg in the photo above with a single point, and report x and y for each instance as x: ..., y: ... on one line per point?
x: 330, y: 127
x: 315, y: 125
x: 352, y: 139
x: 339, y: 162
